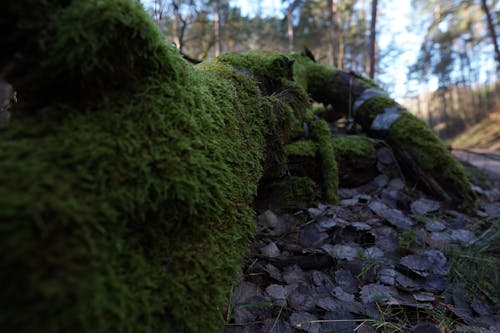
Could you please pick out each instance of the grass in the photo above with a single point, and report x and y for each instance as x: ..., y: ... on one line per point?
x: 476, y: 267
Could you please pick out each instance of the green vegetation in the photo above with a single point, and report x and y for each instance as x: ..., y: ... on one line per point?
x: 475, y: 268
x: 302, y: 148
x: 321, y: 133
x: 354, y: 148
x: 432, y: 156
x: 370, y: 109
x: 314, y: 77
x: 128, y: 176
x: 412, y: 135
x: 292, y: 191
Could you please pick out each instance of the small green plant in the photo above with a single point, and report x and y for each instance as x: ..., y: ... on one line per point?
x: 407, y: 239
x: 476, y: 267
x: 368, y: 264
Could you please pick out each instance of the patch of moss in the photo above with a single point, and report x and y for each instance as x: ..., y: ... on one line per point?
x: 315, y: 78
x: 356, y: 158
x: 300, y: 190
x: 354, y: 147
x: 284, y: 100
x: 269, y: 68
x: 413, y: 135
x: 321, y: 133
x: 367, y: 112
x: 302, y: 148
x: 287, y: 192
x: 126, y: 194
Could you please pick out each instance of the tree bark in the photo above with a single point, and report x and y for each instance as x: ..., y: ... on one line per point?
x: 373, y: 32
x: 334, y: 32
x: 217, y: 28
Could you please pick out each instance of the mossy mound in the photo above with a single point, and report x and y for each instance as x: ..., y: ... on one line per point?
x: 413, y: 136
x: 314, y: 77
x: 127, y: 175
x: 356, y: 158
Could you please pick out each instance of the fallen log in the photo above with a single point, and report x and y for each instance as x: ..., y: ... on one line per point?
x: 425, y: 159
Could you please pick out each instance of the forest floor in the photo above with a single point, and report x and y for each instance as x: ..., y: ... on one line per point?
x: 385, y: 259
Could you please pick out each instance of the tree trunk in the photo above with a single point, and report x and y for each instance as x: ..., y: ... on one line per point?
x: 334, y: 32
x: 373, y: 32
x: 289, y: 20
x: 491, y: 29
x: 217, y: 28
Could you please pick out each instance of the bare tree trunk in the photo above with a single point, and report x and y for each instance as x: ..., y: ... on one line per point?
x: 333, y: 17
x: 159, y: 8
x: 373, y: 23
x: 217, y: 29
x: 493, y: 34
x: 289, y: 19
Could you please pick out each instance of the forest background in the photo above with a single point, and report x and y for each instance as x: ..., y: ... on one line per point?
x: 439, y: 58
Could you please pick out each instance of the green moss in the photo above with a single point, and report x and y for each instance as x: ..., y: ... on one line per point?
x: 366, y: 82
x: 302, y: 148
x: 284, y: 102
x: 413, y: 135
x: 126, y: 194
x: 300, y: 190
x: 354, y: 147
x: 314, y: 77
x: 269, y: 68
x: 370, y: 109
x: 321, y: 133
x: 356, y: 158
x: 288, y: 192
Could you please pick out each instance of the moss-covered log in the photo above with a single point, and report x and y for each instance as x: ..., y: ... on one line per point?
x: 127, y: 175
x: 423, y: 156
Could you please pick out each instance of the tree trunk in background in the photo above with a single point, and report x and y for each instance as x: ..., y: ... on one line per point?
x: 178, y: 30
x: 373, y: 23
x: 289, y: 20
x: 217, y: 29
x: 159, y: 8
x: 333, y: 18
x: 493, y: 34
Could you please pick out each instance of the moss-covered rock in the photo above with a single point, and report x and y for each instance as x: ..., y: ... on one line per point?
x: 421, y: 152
x: 356, y: 158
x: 412, y: 136
x: 127, y: 176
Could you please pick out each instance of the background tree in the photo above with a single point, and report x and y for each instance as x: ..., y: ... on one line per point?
x: 373, y: 45
x: 491, y: 29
